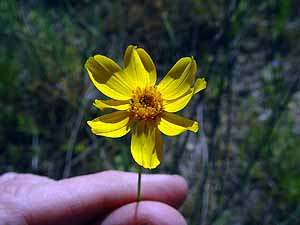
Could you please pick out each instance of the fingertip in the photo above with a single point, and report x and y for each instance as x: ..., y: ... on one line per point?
x: 182, y: 189
x: 172, y: 189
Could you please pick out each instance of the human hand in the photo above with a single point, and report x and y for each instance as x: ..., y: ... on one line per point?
x: 106, y: 198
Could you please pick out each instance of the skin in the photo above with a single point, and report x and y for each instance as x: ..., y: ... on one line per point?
x: 106, y: 198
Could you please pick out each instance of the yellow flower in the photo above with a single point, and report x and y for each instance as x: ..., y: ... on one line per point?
x: 143, y: 107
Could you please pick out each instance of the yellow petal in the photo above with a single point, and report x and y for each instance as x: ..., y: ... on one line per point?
x: 127, y: 54
x: 200, y: 84
x: 146, y: 145
x: 179, y: 103
x: 111, y: 104
x: 114, y: 125
x: 108, y: 77
x: 148, y: 64
x: 139, y: 67
x: 179, y: 79
x: 172, y: 124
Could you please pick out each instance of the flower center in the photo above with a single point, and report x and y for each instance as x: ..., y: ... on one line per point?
x: 146, y: 103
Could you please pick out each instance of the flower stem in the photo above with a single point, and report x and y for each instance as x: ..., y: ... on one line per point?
x: 139, y: 184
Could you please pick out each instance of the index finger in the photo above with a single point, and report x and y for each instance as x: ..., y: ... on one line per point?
x: 87, y: 197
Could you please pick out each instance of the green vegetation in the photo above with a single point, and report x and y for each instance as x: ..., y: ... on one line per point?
x: 242, y: 166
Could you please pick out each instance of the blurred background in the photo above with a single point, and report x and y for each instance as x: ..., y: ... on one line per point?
x: 242, y: 167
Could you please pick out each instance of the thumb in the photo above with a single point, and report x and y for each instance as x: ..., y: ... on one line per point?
x: 145, y: 212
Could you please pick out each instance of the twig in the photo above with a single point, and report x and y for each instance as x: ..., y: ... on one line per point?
x: 74, y: 133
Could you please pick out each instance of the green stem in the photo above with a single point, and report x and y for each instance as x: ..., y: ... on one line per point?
x: 139, y: 184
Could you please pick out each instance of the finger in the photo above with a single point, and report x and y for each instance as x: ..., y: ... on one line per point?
x: 80, y: 198
x: 12, y: 186
x: 17, y: 184
x: 12, y: 178
x: 146, y: 212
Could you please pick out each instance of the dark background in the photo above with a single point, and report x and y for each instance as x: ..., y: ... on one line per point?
x: 242, y: 166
